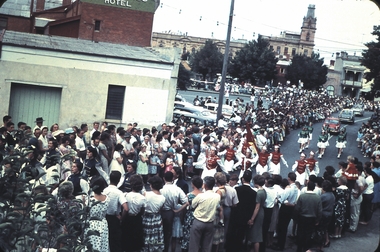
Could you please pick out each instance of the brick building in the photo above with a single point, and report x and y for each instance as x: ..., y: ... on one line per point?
x: 115, y: 21
x: 84, y: 61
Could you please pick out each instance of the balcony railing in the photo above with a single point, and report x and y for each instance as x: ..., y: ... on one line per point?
x: 352, y: 83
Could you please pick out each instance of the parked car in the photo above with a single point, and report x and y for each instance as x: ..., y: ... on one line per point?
x: 179, y: 98
x: 358, y: 109
x: 192, y: 119
x: 227, y: 111
x: 180, y: 104
x: 347, y: 115
x: 198, y: 111
x: 332, y: 124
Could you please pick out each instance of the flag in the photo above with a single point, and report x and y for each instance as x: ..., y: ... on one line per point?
x: 250, y: 141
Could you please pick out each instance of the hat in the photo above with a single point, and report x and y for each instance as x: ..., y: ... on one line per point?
x: 146, y: 137
x: 276, y: 146
x: 39, y: 119
x: 303, y: 154
x: 256, y: 127
x: 312, y: 153
x: 264, y: 148
x: 143, y: 145
x: 69, y: 131
x: 171, y: 124
x: 57, y: 132
x: 127, y: 135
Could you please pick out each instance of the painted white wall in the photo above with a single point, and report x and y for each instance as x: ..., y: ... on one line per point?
x: 149, y: 95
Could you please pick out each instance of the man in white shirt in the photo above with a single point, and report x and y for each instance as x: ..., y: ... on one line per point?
x: 80, y: 145
x: 95, y: 128
x: 173, y: 195
x: 230, y: 200
x: 116, y: 201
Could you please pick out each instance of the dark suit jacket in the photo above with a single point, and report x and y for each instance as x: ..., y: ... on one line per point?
x: 247, y: 202
x: 181, y: 183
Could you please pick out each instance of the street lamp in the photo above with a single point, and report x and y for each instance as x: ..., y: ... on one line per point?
x: 225, y: 62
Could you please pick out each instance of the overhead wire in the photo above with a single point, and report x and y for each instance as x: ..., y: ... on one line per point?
x: 236, y: 28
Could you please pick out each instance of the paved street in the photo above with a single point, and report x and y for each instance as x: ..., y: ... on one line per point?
x: 366, y: 238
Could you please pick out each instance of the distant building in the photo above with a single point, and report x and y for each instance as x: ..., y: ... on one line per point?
x: 284, y: 46
x: 189, y: 44
x: 345, y: 76
x: 115, y: 21
x: 289, y: 44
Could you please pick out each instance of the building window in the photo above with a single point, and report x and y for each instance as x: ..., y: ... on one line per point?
x: 3, y: 23
x: 308, y: 36
x: 97, y: 25
x: 193, y: 50
x: 278, y: 50
x: 305, y: 52
x: 293, y: 51
x: 115, y: 102
x: 282, y: 70
x: 285, y: 51
x: 330, y: 90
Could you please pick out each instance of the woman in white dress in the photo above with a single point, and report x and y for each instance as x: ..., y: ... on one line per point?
x: 117, y: 160
x: 42, y: 140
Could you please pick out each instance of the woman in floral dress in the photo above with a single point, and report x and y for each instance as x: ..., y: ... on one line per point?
x: 196, y: 184
x: 98, y: 209
x: 341, y: 196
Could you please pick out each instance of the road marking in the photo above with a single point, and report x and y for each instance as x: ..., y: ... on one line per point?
x: 367, y: 118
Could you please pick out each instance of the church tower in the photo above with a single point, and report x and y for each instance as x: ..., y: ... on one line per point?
x: 309, y: 26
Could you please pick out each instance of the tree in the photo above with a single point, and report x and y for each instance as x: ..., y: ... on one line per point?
x: 29, y: 215
x: 371, y: 60
x: 207, y: 61
x: 255, y: 62
x: 183, y: 77
x: 309, y: 70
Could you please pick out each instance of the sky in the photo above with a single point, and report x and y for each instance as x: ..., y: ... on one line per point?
x: 342, y: 25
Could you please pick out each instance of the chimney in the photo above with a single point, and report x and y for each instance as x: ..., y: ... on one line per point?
x: 40, y: 6
x: 66, y: 2
x: 332, y: 62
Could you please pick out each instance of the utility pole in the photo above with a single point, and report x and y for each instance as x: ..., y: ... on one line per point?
x: 225, y: 63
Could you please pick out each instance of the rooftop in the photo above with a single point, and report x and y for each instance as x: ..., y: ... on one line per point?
x: 80, y: 46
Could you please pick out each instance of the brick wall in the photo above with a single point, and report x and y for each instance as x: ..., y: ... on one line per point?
x: 19, y: 24
x: 68, y: 29
x: 117, y: 25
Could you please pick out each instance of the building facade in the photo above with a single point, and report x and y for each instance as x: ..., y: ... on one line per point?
x: 284, y: 46
x: 72, y: 81
x: 345, y: 76
x: 115, y: 21
x: 192, y: 44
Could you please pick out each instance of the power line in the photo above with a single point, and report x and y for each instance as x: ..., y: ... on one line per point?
x: 219, y: 23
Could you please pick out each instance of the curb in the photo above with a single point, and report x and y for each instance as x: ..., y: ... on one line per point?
x: 209, y: 92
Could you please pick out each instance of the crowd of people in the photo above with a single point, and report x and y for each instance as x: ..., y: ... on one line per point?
x: 134, y: 180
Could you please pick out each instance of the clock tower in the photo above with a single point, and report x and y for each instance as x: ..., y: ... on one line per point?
x: 309, y: 26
